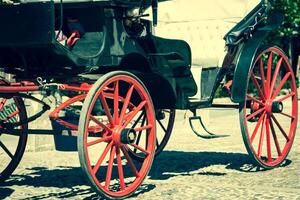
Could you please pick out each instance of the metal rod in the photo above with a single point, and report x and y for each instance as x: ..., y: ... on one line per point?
x: 14, y: 89
x: 235, y: 106
x: 18, y: 132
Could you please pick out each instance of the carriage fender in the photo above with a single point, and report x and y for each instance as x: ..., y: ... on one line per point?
x: 247, y: 56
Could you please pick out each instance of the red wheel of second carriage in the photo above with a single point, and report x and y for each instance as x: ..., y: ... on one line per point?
x: 113, y: 104
x: 269, y: 114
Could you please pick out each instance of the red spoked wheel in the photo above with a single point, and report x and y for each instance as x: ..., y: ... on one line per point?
x: 269, y: 114
x: 105, y: 137
x: 12, y: 144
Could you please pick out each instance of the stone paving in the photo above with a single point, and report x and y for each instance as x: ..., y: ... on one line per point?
x: 189, y: 168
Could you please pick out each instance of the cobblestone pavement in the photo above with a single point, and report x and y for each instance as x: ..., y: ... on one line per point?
x: 189, y: 168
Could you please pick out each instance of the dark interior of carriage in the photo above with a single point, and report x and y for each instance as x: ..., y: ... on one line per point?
x: 90, y: 22
x: 32, y: 32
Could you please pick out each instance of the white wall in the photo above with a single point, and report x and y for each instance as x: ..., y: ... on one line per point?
x: 202, y: 24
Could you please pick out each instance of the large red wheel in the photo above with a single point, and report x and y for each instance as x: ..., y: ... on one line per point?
x: 105, y: 137
x: 269, y: 114
x: 12, y: 145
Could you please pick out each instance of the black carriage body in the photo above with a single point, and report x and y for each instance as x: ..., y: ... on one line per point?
x: 29, y: 48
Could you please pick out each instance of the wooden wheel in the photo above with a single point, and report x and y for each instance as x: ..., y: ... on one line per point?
x: 105, y: 137
x: 268, y: 116
x: 12, y: 145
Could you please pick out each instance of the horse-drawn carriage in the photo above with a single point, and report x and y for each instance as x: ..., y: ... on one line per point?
x: 121, y: 81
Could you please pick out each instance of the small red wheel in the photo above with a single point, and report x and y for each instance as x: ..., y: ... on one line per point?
x: 269, y: 114
x: 105, y: 137
x: 12, y: 144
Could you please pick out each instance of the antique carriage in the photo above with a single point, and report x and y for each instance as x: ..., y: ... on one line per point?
x: 120, y: 80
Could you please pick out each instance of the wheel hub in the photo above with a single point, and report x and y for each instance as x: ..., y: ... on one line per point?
x: 128, y: 136
x: 277, y: 107
x: 255, y: 106
x: 268, y: 106
x: 160, y: 115
x: 274, y: 107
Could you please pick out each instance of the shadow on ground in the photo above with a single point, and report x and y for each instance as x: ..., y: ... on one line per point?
x: 168, y: 164
x: 176, y: 163
x: 5, y: 192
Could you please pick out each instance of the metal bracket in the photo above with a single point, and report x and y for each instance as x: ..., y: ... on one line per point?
x: 209, y: 134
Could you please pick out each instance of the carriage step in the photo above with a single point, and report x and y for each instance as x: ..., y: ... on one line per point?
x: 208, y: 135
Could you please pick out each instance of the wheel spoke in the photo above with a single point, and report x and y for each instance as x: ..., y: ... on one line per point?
x: 109, y: 167
x: 133, y: 113
x: 275, y: 77
x: 292, y: 94
x: 140, y: 148
x: 263, y: 79
x: 261, y: 139
x: 100, y: 160
x: 11, y: 115
x: 2, y: 103
x: 130, y: 162
x: 126, y: 102
x: 269, y: 154
x: 140, y: 133
x: 94, y: 119
x: 161, y: 125
x: 149, y: 126
x: 138, y: 140
x: 157, y: 143
x: 255, y: 114
x: 275, y: 138
x: 280, y: 128
x: 11, y: 132
x: 104, y: 139
x: 138, y: 119
x: 106, y: 109
x: 6, y: 150
x: 257, y: 127
x: 262, y: 96
x: 120, y: 169
x: 269, y: 70
x: 255, y: 100
x: 287, y: 115
x: 116, y: 102
x: 281, y: 84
